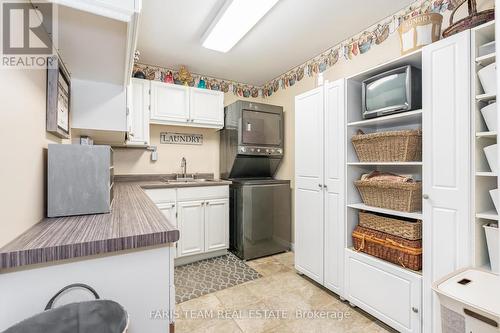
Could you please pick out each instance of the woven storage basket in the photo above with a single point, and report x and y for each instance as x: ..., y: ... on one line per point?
x: 404, y: 197
x: 400, y: 251
x: 394, y: 146
x: 407, y: 229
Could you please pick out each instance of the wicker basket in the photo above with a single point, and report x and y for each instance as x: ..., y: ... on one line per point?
x: 407, y: 229
x: 400, y: 251
x: 395, y: 146
x: 474, y: 19
x: 404, y: 197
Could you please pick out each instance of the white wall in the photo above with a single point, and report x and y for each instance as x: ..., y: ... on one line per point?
x: 23, y: 141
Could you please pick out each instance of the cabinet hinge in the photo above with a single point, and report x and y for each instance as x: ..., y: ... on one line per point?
x: 176, y: 214
x: 149, y: 107
x: 149, y: 91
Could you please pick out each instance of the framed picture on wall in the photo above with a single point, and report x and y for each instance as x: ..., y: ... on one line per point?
x: 58, y: 98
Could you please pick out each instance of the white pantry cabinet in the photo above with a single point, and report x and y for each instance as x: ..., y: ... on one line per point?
x: 384, y: 290
x: 446, y: 80
x: 319, y: 184
x: 185, y: 106
x: 138, y: 112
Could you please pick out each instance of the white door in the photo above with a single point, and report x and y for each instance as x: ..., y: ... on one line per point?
x: 384, y: 290
x: 334, y: 186
x: 191, y: 227
x: 169, y: 210
x: 309, y: 184
x: 206, y: 107
x: 216, y: 225
x: 138, y: 112
x: 169, y: 103
x: 446, y: 133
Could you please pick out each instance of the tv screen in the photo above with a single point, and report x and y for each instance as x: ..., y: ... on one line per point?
x: 388, y: 91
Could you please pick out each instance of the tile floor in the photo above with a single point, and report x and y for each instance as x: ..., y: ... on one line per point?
x: 242, y: 308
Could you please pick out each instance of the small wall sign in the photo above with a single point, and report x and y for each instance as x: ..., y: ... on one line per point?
x: 181, y: 138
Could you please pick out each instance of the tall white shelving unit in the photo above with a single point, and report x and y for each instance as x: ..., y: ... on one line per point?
x: 483, y: 179
x: 404, y: 311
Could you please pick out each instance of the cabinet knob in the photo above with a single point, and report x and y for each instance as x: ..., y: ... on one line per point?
x: 325, y: 186
x: 414, y: 309
x: 425, y: 196
x: 320, y: 186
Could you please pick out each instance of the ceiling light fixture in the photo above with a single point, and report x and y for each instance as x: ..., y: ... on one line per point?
x: 233, y: 22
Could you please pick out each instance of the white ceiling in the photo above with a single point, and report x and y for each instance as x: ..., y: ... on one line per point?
x: 291, y: 33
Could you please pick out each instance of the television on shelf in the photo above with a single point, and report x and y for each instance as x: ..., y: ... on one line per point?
x: 394, y: 91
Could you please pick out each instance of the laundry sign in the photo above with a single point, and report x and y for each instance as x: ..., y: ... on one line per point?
x: 181, y: 138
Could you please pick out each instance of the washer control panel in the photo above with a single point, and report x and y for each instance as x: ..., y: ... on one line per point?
x: 254, y: 150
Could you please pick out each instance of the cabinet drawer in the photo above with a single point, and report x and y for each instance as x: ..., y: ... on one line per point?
x: 162, y: 195
x: 201, y: 193
x: 386, y: 291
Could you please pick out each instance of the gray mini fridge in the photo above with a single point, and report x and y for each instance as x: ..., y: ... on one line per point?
x: 79, y: 179
x: 260, y: 217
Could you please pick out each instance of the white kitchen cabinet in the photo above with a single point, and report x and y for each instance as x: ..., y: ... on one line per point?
x: 319, y: 184
x: 206, y: 107
x: 138, y: 112
x: 384, y: 290
x: 202, y: 216
x: 216, y: 225
x: 446, y: 154
x: 169, y: 104
x: 169, y: 210
x: 186, y: 106
x: 191, y: 224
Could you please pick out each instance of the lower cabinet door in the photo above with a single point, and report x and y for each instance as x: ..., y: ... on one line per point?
x: 191, y: 227
x: 386, y: 291
x: 216, y: 225
x: 169, y: 211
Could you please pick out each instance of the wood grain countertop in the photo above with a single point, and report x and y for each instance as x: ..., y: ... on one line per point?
x: 134, y: 222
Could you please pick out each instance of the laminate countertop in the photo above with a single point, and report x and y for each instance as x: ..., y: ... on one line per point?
x: 134, y: 222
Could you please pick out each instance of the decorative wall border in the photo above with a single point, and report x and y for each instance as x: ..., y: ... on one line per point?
x: 347, y: 50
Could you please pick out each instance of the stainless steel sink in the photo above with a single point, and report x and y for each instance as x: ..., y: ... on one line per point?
x: 187, y: 181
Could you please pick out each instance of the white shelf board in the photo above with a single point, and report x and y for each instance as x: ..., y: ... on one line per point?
x: 486, y: 134
x: 489, y: 215
x: 486, y: 97
x: 486, y: 59
x: 361, y: 206
x: 386, y: 163
x: 486, y: 174
x: 405, y: 118
x: 418, y: 274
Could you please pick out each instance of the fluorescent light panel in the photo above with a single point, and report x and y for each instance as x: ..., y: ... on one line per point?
x: 233, y: 22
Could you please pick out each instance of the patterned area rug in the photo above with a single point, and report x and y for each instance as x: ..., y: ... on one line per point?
x: 210, y: 275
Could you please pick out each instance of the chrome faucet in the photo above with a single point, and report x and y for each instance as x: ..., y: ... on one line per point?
x: 184, y: 167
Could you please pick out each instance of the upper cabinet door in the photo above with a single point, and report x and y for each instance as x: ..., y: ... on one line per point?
x: 169, y: 103
x: 138, y: 112
x: 309, y: 231
x: 334, y: 185
x: 446, y: 170
x: 206, y: 107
